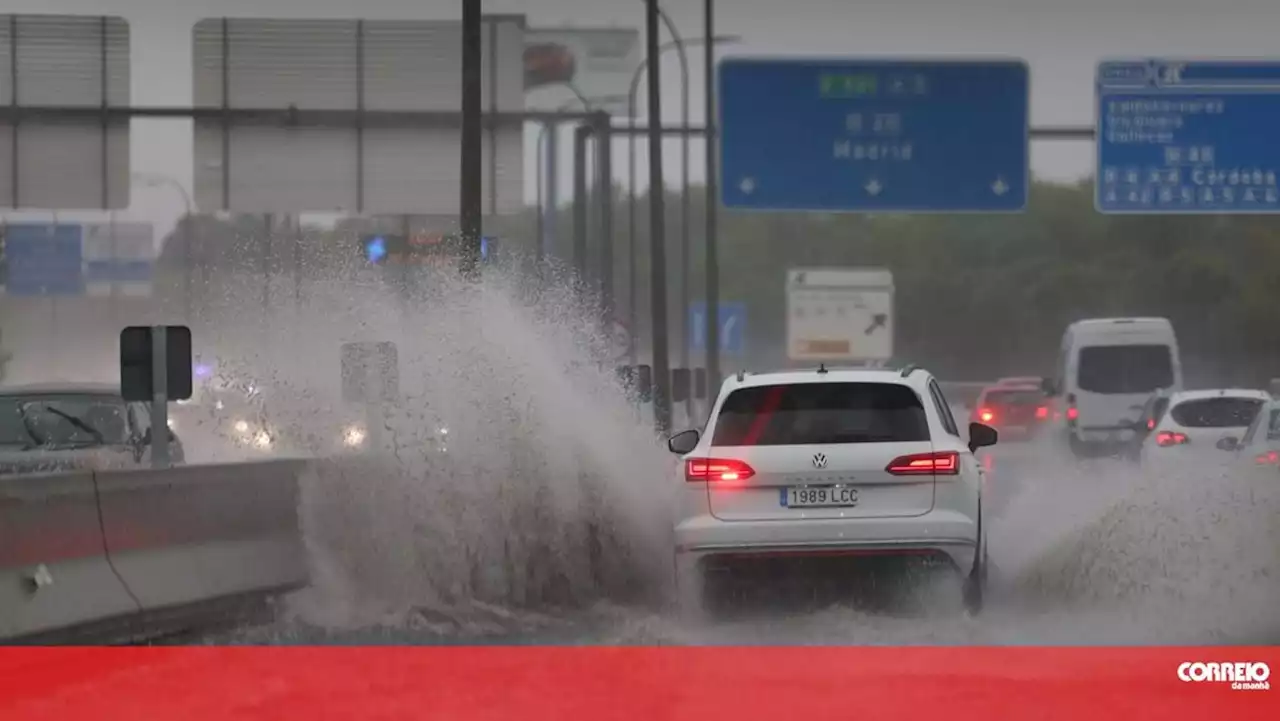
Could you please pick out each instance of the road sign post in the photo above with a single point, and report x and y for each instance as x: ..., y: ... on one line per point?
x: 155, y: 366
x: 858, y: 135
x: 159, y: 400
x: 1187, y: 137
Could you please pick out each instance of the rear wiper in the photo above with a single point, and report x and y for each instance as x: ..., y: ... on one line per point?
x: 77, y: 422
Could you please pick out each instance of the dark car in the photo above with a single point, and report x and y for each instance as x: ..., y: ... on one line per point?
x: 1017, y: 410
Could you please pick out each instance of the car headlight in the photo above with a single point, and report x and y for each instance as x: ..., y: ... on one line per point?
x: 173, y: 425
x: 241, y: 426
x: 353, y: 436
x: 262, y: 440
x: 444, y: 431
x: 218, y: 405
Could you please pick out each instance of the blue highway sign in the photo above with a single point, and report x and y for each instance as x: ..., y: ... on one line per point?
x: 1188, y: 137
x: 833, y: 135
x: 43, y: 260
x: 733, y: 327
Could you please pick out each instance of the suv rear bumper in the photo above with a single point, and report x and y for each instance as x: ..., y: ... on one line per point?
x: 939, y: 531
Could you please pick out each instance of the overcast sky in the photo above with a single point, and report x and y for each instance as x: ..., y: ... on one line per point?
x: 1061, y: 39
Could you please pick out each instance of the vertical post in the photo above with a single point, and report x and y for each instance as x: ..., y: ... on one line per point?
x: 471, y: 195
x: 604, y: 185
x: 268, y: 225
x: 552, y: 185
x: 657, y: 226
x: 712, y: 202
x: 633, y: 293
x: 539, y: 153
x: 580, y: 135
x: 159, y: 398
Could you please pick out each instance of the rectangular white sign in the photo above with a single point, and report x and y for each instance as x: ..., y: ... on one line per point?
x: 600, y: 63
x: 840, y: 314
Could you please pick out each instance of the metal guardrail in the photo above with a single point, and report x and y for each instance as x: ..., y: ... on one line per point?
x: 107, y: 556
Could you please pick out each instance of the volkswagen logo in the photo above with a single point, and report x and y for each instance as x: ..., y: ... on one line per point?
x: 819, y: 460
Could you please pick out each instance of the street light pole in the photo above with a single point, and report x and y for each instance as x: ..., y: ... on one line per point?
x: 471, y: 201
x: 713, y: 199
x: 632, y: 182
x: 657, y: 229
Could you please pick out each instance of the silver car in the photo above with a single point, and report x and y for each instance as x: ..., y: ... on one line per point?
x: 73, y: 426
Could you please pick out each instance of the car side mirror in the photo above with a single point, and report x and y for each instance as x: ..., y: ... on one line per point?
x: 683, y: 442
x: 1230, y: 443
x: 981, y: 436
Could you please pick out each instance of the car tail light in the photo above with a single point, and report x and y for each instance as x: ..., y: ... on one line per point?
x: 1151, y: 424
x: 985, y: 415
x: 1165, y: 439
x: 1042, y: 412
x: 716, y: 470
x: 1073, y: 413
x: 942, y: 463
x: 1270, y: 458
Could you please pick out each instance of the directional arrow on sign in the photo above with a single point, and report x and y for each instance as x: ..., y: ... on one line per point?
x: 879, y: 320
x: 874, y: 187
x: 1000, y: 187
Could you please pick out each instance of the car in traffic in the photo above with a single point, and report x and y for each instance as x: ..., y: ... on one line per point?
x: 1150, y: 415
x: 797, y: 463
x: 75, y: 426
x: 1199, y: 425
x: 1257, y: 452
x: 232, y: 409
x: 1107, y: 368
x: 1018, y: 409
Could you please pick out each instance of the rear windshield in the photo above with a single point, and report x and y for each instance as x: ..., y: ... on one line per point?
x: 1125, y: 369
x: 1216, y: 412
x: 821, y: 413
x: 1014, y: 398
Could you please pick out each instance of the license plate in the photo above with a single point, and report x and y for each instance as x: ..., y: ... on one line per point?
x: 819, y: 497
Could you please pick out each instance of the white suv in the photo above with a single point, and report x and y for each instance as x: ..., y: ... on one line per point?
x: 804, y: 462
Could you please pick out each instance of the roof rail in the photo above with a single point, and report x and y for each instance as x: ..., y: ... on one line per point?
x: 741, y: 375
x: 822, y: 369
x: 909, y: 369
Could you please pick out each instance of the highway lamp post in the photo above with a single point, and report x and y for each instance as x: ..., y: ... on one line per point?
x: 545, y: 147
x: 679, y: 45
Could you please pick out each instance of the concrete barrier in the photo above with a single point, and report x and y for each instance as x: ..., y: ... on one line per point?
x: 54, y: 571
x: 121, y: 554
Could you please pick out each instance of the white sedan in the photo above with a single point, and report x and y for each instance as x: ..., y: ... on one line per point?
x: 794, y: 464
x: 1199, y: 426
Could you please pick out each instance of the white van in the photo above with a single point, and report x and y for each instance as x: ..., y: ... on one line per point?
x: 1107, y: 369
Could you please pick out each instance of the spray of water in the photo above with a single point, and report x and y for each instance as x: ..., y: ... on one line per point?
x: 552, y: 496
x: 550, y: 490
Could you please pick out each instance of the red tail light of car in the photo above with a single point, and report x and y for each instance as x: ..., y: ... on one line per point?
x: 941, y: 463
x: 1166, y: 439
x: 716, y: 470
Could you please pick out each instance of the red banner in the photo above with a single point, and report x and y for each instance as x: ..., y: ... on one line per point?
x: 636, y: 684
